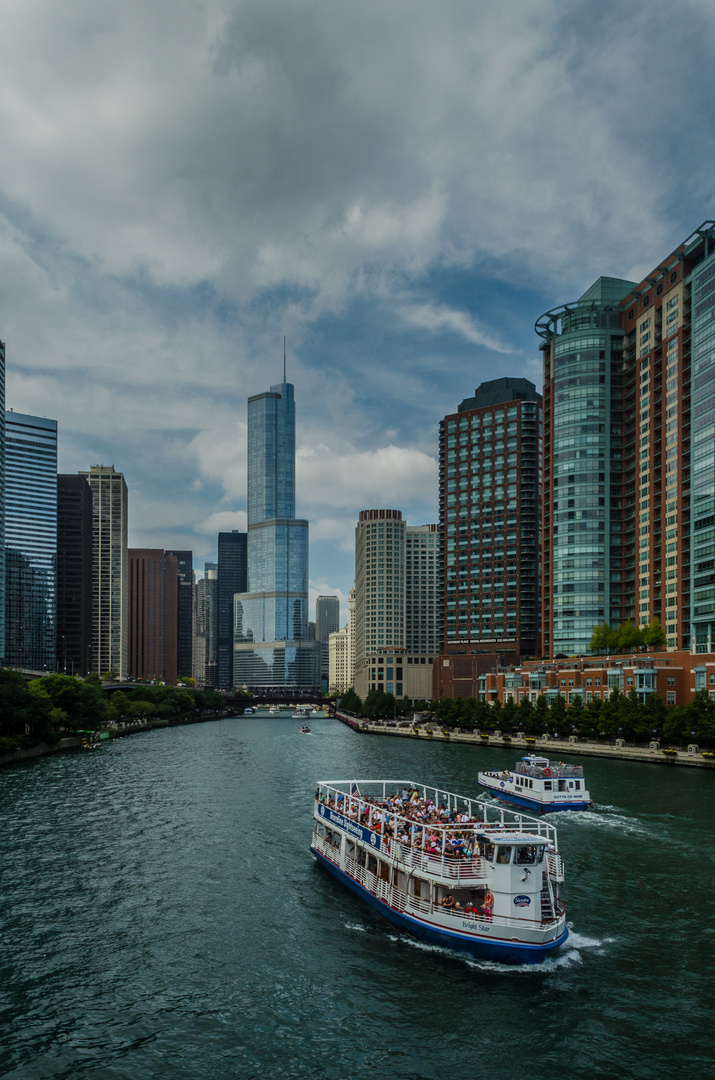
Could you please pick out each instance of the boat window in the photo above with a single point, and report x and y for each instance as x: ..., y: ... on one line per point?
x: 372, y: 864
x: 337, y: 839
x: 350, y: 848
x: 539, y: 854
x: 487, y: 851
x: 419, y: 888
x: 401, y: 880
x: 503, y: 854
x: 547, y: 785
x: 578, y: 785
x: 384, y: 871
x: 361, y: 856
x: 329, y: 835
x: 321, y: 829
x: 525, y: 855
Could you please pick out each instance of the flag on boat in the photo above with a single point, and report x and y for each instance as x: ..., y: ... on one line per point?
x: 355, y: 790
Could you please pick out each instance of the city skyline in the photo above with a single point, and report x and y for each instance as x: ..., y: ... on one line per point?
x: 401, y: 195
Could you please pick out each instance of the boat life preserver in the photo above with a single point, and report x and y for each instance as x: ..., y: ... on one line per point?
x: 489, y: 899
x: 546, y: 772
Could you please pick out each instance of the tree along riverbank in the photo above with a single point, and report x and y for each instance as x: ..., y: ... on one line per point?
x: 543, y: 745
x: 48, y: 711
x: 92, y: 740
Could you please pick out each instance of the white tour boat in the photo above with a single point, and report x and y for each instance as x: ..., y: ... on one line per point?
x: 446, y: 869
x: 539, y: 784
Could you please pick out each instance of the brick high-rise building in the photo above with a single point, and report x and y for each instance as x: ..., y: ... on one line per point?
x: 629, y: 454
x: 153, y: 610
x: 490, y: 518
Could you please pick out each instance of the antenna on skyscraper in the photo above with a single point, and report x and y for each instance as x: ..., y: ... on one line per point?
x: 284, y: 358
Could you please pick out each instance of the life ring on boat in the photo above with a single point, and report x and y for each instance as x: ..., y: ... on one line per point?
x: 546, y: 772
x: 489, y: 899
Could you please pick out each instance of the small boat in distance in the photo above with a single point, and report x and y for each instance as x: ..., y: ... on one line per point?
x: 305, y: 729
x: 449, y: 870
x: 248, y: 712
x: 539, y: 784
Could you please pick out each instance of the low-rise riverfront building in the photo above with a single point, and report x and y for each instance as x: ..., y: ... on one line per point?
x: 675, y: 676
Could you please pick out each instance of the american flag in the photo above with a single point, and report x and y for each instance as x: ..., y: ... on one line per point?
x: 355, y: 790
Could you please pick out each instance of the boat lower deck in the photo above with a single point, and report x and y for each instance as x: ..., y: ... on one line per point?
x: 480, y: 939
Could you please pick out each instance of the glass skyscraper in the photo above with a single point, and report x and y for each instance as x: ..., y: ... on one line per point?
x: 629, y: 454
x: 272, y: 650
x: 232, y: 579
x: 30, y: 540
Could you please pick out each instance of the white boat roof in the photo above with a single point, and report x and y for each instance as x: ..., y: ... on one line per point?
x: 533, y: 759
x: 512, y: 838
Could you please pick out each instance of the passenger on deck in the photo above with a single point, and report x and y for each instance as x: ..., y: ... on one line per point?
x: 448, y: 901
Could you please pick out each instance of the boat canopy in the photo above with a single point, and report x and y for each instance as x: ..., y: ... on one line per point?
x: 532, y: 759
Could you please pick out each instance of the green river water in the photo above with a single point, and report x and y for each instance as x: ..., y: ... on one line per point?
x: 161, y: 917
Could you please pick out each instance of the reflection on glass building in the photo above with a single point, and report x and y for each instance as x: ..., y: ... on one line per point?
x: 271, y: 649
x: 629, y: 454
x: 30, y: 540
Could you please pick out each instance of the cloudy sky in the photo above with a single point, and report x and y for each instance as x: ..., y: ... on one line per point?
x: 401, y: 188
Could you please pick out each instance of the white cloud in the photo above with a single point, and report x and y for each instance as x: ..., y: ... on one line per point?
x: 436, y: 317
x: 390, y: 476
x: 223, y: 521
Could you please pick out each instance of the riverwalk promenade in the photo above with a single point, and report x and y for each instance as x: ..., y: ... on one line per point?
x: 545, y: 745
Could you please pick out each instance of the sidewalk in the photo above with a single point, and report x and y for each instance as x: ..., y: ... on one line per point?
x: 549, y: 746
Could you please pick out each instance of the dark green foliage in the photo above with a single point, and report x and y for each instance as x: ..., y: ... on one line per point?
x: 42, y: 709
x: 351, y: 702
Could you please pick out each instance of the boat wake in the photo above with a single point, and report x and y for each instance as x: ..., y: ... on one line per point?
x: 568, y: 956
x: 356, y: 926
x: 601, y: 820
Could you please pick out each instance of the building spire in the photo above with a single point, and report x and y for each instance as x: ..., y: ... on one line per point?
x: 284, y: 358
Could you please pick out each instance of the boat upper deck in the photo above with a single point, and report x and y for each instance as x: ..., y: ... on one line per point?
x: 420, y: 814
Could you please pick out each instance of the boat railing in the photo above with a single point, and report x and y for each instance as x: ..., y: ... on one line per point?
x: 555, y: 865
x: 444, y: 866
x: 558, y: 772
x: 416, y: 905
x: 402, y: 901
x: 349, y: 798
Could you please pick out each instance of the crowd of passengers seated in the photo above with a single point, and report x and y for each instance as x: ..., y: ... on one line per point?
x: 407, y: 809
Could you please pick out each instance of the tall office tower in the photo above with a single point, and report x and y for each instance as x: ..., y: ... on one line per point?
x: 110, y: 583
x: 271, y: 650
x: 2, y: 502
x: 339, y: 674
x: 30, y: 541
x: 383, y: 658
x: 421, y: 591
x: 232, y: 579
x: 629, y: 489
x: 185, y: 612
x: 74, y: 573
x: 210, y: 605
x: 490, y: 515
x: 153, y: 605
x: 327, y: 621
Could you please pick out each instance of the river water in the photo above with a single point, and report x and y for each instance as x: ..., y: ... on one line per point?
x: 161, y: 917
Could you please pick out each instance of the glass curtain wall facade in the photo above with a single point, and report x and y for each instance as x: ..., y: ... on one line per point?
x: 74, y: 573
x: 629, y: 458
x: 30, y: 541
x: 271, y: 647
x: 584, y: 530
x: 232, y: 579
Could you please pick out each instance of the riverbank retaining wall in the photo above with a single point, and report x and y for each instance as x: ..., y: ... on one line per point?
x: 653, y: 754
